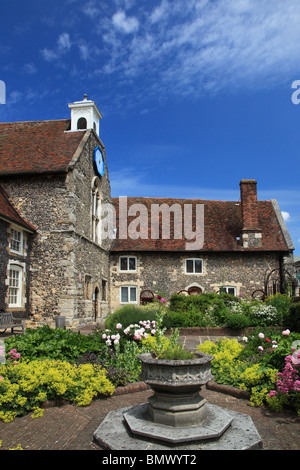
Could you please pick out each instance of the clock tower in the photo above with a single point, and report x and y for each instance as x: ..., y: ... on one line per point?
x: 85, y: 115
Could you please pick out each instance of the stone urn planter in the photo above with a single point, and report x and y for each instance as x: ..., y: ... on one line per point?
x: 176, y: 385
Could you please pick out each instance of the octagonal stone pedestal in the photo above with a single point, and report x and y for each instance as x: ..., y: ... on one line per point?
x: 176, y: 416
x: 115, y: 434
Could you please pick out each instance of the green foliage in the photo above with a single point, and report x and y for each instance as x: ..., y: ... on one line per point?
x: 45, y: 342
x: 130, y: 314
x: 26, y: 385
x: 293, y: 320
x: 176, y: 353
x: 254, y: 365
x: 237, y: 321
x: 211, y: 310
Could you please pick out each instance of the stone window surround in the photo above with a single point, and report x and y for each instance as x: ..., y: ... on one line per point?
x: 193, y: 259
x: 128, y: 291
x: 16, y: 229
x: 228, y: 287
x: 127, y: 270
x: 96, y: 210
x: 20, y: 267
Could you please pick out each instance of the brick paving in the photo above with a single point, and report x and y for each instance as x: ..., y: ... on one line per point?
x: 69, y: 427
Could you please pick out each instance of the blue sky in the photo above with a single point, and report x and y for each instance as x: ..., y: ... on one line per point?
x: 195, y: 94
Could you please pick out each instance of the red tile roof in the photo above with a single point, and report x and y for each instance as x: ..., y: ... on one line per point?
x: 222, y: 226
x: 10, y: 213
x: 37, y: 147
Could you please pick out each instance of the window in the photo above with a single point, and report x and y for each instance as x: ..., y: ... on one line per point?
x: 87, y: 287
x: 193, y: 266
x: 81, y: 123
x: 128, y: 263
x: 16, y: 241
x: 96, y: 207
x: 104, y: 284
x: 128, y: 295
x: 15, y: 286
x: 228, y: 290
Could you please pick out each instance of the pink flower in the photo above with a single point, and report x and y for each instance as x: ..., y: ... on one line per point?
x: 103, y: 336
x: 272, y: 393
x: 260, y: 348
x: 286, y: 332
x: 268, y: 340
x: 261, y: 335
x: 118, y: 326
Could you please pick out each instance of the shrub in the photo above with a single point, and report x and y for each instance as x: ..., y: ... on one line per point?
x: 225, y: 367
x: 130, y: 314
x: 237, y: 321
x: 264, y: 315
x: 26, y: 385
x: 287, y: 386
x: 293, y: 319
x: 45, y: 342
x: 282, y: 303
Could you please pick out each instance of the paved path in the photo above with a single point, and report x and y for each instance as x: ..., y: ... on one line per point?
x: 71, y: 428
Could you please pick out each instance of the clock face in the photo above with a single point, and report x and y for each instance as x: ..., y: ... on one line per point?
x: 99, y: 161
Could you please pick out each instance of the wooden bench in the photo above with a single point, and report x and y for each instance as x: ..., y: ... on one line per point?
x: 7, y: 320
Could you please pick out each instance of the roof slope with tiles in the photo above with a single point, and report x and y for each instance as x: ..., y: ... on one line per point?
x: 222, y: 227
x: 37, y: 147
x: 8, y: 212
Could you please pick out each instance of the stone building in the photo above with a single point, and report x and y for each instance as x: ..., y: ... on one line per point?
x: 242, y: 248
x: 55, y: 175
x: 85, y: 254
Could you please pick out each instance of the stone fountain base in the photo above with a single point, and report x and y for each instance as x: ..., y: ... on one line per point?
x: 176, y: 416
x: 132, y: 429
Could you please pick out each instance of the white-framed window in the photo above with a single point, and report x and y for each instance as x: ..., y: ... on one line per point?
x: 16, y: 241
x: 127, y: 263
x: 228, y: 290
x: 128, y: 294
x: 15, y: 277
x: 193, y: 266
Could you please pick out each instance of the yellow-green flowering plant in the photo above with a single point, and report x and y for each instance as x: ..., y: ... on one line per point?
x: 26, y: 385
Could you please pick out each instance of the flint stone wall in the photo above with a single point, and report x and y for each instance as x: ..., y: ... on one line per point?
x: 63, y: 254
x: 165, y: 272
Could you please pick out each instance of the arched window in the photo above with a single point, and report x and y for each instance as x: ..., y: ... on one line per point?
x: 81, y: 123
x: 96, y: 211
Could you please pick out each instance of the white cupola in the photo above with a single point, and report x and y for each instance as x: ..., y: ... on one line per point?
x: 85, y: 115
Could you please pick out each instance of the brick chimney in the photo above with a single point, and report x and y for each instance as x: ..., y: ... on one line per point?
x: 251, y: 233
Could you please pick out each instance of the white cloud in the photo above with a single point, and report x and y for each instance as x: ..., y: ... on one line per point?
x: 29, y: 68
x: 49, y: 54
x: 64, y: 43
x: 63, y: 46
x: 199, y: 46
x: 285, y: 215
x: 124, y: 23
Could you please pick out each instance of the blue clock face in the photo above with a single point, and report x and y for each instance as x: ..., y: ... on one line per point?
x: 99, y: 161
